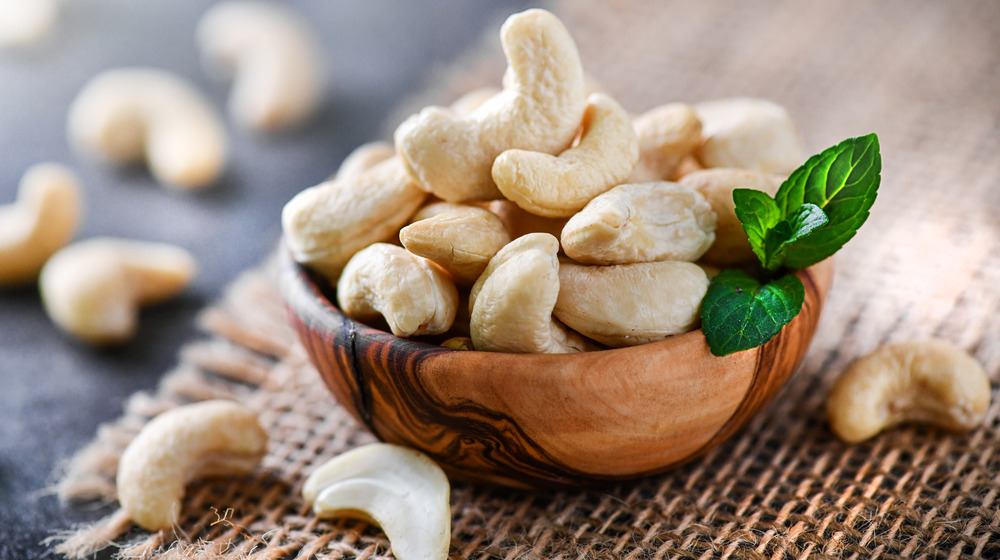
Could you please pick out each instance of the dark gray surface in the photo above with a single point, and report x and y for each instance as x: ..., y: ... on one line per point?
x: 55, y: 392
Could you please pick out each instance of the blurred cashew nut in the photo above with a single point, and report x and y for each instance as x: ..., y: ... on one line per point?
x: 461, y: 239
x: 472, y: 100
x: 273, y: 57
x: 130, y: 115
x: 363, y: 158
x: 748, y: 133
x: 667, y: 135
x: 93, y: 289
x: 42, y: 220
x: 210, y: 438
x: 24, y: 22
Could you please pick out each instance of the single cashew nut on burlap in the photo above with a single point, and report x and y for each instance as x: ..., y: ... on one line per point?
x: 413, y: 295
x: 210, y: 438
x: 24, y: 22
x: 539, y: 109
x: 42, y: 220
x: 667, y: 135
x: 129, y: 115
x: 93, y: 289
x: 462, y: 239
x: 325, y: 225
x: 924, y: 381
x: 731, y: 246
x: 399, y: 489
x: 512, y: 301
x: 273, y: 57
x: 363, y: 158
x: 559, y: 186
x: 641, y: 222
x: 631, y: 304
x: 748, y: 133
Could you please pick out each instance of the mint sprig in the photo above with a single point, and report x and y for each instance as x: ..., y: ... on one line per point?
x: 815, y: 212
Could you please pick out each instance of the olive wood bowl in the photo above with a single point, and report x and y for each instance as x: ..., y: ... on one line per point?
x: 546, y: 420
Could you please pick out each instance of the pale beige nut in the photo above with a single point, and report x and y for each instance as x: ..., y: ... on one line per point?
x: 459, y: 343
x: 399, y: 489
x: 923, y: 381
x: 748, y: 133
x: 512, y: 301
x: 363, y: 158
x: 641, y: 222
x: 539, y: 109
x: 411, y: 293
x: 461, y: 239
x: 631, y: 304
x: 472, y: 100
x: 126, y: 116
x: 93, y: 289
x: 274, y: 58
x: 520, y: 222
x: 206, y: 439
x: 667, y: 135
x: 560, y: 186
x: 731, y: 246
x: 43, y: 219
x: 26, y: 22
x: 326, y: 224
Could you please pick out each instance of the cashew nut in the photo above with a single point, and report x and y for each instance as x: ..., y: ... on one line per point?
x: 667, y: 135
x: 731, y: 246
x: 126, y: 115
x: 325, y: 225
x: 512, y: 301
x: 631, y: 304
x: 210, y: 438
x: 748, y: 133
x: 520, y: 222
x: 24, y: 22
x: 560, y: 186
x: 539, y: 109
x: 363, y: 158
x: 273, y: 56
x: 641, y: 222
x: 472, y: 100
x: 413, y: 295
x: 462, y: 239
x: 403, y: 491
x: 93, y: 289
x: 924, y: 381
x: 42, y: 220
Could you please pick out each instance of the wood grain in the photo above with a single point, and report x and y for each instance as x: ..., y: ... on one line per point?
x: 547, y: 420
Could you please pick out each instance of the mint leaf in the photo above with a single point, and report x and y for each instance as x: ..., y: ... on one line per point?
x: 784, y: 236
x: 739, y: 312
x: 758, y: 213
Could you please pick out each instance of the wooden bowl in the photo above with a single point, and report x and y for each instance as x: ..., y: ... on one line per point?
x: 546, y: 420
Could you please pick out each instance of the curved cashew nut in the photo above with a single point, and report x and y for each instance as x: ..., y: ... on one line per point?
x: 520, y: 222
x: 559, y: 187
x: 325, y: 225
x: 641, y: 222
x: 403, y: 491
x: 210, y: 438
x: 512, y: 301
x: 23, y: 22
x: 460, y: 239
x: 363, y: 158
x: 748, y: 133
x: 472, y: 100
x: 539, y: 109
x: 667, y: 135
x: 93, y: 289
x: 412, y: 294
x: 126, y: 115
x: 272, y: 54
x: 42, y: 221
x: 631, y: 304
x: 925, y: 381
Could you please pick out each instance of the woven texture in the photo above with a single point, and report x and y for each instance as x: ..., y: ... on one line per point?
x: 924, y: 76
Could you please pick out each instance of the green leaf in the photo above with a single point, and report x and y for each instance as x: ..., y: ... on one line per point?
x: 758, y: 213
x: 739, y: 313
x: 785, y: 235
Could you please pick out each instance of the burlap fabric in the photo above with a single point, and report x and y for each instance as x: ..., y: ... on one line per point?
x: 924, y: 76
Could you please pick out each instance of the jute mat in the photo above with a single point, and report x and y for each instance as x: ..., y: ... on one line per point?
x: 926, y: 77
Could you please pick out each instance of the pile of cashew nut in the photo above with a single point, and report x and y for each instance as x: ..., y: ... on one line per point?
x: 541, y: 217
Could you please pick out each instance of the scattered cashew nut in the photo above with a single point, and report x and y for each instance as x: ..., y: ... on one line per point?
x: 641, y: 222
x: 363, y: 158
x: 667, y: 135
x: 42, y: 220
x: 461, y: 239
x: 512, y: 301
x: 413, y: 295
x: 539, y: 109
x: 93, y: 289
x: 24, y: 22
x: 924, y: 381
x: 128, y: 115
x: 273, y: 56
x: 748, y: 133
x: 560, y: 186
x: 403, y: 491
x: 209, y: 438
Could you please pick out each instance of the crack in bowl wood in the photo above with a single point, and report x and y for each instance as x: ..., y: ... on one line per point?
x: 547, y: 420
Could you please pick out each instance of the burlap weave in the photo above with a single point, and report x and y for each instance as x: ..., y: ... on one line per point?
x: 926, y: 77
